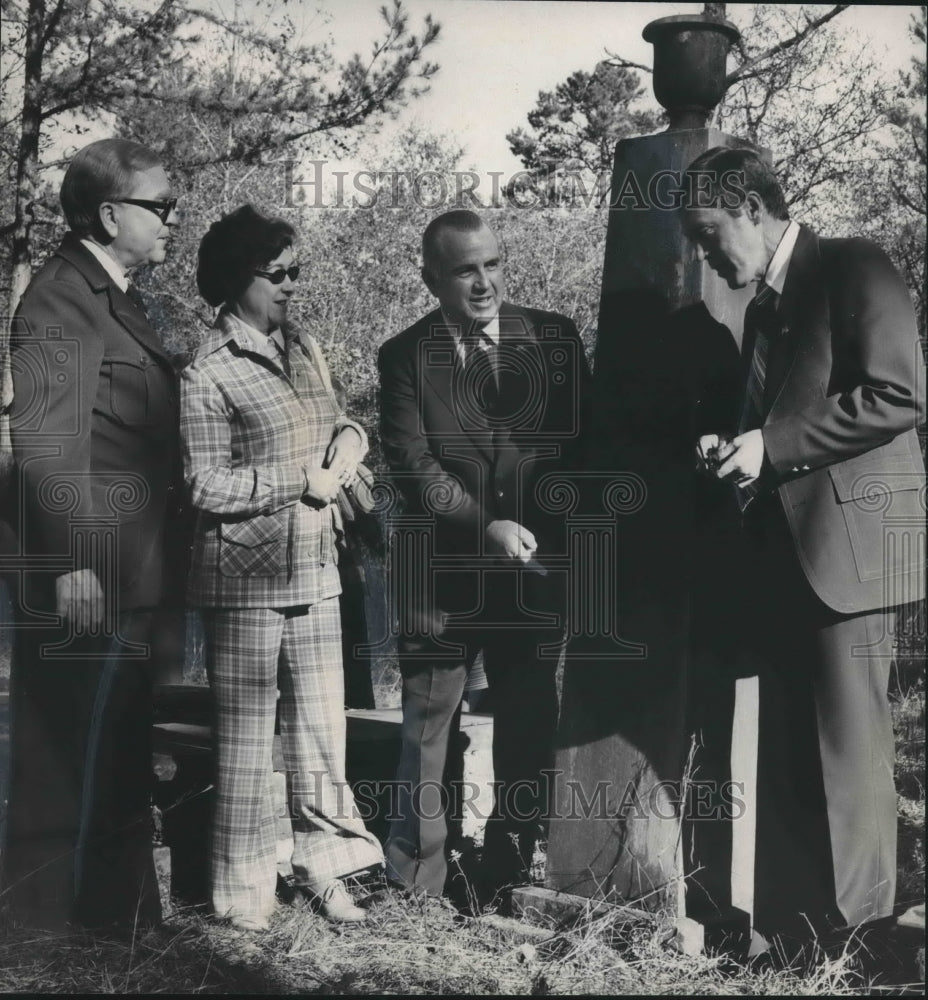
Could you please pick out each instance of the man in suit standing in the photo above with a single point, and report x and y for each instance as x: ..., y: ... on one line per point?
x: 480, y: 405
x: 828, y: 471
x: 94, y: 429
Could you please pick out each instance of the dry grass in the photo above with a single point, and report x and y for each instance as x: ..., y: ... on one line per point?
x: 409, y: 949
x: 405, y: 948
x: 908, y: 699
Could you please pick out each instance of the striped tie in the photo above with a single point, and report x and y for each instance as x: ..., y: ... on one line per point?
x: 481, y: 355
x: 762, y: 309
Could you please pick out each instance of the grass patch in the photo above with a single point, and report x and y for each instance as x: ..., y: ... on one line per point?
x: 407, y: 949
x: 404, y: 948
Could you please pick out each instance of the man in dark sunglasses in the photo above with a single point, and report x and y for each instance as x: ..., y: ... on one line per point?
x: 94, y: 423
x: 162, y: 208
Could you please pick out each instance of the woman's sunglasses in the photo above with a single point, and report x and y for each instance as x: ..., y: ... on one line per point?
x: 277, y: 276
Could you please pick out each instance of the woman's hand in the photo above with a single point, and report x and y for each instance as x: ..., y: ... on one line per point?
x: 342, y: 456
x: 321, y: 485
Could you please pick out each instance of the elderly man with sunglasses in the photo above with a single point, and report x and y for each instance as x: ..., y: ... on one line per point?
x: 94, y: 433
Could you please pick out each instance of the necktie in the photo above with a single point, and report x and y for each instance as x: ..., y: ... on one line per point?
x: 471, y: 343
x: 761, y: 319
x: 481, y: 358
x: 132, y: 294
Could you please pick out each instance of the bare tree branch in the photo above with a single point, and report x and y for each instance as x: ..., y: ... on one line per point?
x: 749, y: 68
x: 615, y: 60
x: 51, y: 25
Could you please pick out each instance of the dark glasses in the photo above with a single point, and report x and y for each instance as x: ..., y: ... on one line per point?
x: 277, y: 276
x: 162, y: 209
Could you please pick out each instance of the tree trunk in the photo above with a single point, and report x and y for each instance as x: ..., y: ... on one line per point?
x: 27, y: 162
x: 714, y: 11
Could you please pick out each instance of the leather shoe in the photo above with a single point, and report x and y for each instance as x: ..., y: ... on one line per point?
x: 335, y: 904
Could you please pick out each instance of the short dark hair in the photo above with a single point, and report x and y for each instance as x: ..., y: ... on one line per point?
x: 103, y: 171
x: 234, y: 247
x: 732, y: 171
x: 459, y: 220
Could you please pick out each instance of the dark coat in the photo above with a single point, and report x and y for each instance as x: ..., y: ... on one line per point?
x: 460, y: 469
x: 94, y: 431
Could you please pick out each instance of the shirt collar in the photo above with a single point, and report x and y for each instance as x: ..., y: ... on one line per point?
x: 109, y: 265
x: 491, y: 330
x: 775, y: 275
x: 245, y: 335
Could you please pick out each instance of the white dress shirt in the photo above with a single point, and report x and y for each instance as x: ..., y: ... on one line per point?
x: 490, y: 331
x: 775, y: 275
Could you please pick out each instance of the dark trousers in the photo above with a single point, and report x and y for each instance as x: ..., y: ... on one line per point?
x: 79, y: 825
x: 826, y: 805
x: 521, y: 679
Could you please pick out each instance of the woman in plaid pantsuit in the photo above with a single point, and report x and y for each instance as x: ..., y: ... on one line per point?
x: 266, y: 449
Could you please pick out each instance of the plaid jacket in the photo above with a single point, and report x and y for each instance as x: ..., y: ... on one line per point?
x: 249, y: 433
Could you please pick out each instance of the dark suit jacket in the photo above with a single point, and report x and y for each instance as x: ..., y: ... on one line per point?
x: 94, y: 430
x: 843, y: 396
x: 462, y: 470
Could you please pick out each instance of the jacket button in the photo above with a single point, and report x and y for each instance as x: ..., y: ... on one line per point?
x: 499, y: 494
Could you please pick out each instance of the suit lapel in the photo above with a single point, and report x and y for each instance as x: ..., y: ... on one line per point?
x: 120, y: 306
x: 125, y: 312
x: 442, y: 369
x: 517, y: 336
x: 792, y: 314
x: 439, y: 358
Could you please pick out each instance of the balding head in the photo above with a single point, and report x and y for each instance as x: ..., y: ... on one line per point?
x: 461, y: 267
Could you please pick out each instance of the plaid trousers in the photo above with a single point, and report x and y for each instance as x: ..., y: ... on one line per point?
x: 250, y: 653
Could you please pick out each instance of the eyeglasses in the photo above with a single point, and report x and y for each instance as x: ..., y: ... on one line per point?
x: 162, y: 209
x: 276, y: 277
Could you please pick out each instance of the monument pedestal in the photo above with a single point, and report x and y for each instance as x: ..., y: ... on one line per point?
x: 637, y: 734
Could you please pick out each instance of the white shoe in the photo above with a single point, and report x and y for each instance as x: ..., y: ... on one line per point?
x: 252, y: 924
x: 336, y: 904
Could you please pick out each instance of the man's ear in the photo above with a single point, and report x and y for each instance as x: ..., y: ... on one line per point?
x: 429, y: 279
x: 754, y: 207
x: 106, y: 215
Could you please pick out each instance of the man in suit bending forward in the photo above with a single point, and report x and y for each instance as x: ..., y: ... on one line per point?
x: 828, y: 477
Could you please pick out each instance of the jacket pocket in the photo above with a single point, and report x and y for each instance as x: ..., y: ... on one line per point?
x: 131, y: 397
x: 256, y: 547
x: 881, y: 497
x: 869, y: 480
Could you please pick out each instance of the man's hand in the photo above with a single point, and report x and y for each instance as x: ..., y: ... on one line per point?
x: 343, y: 454
x: 742, y: 465
x: 321, y: 485
x: 79, y: 599
x: 508, y: 538
x: 711, y: 451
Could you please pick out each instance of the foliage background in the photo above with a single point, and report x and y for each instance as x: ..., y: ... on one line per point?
x: 237, y: 110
